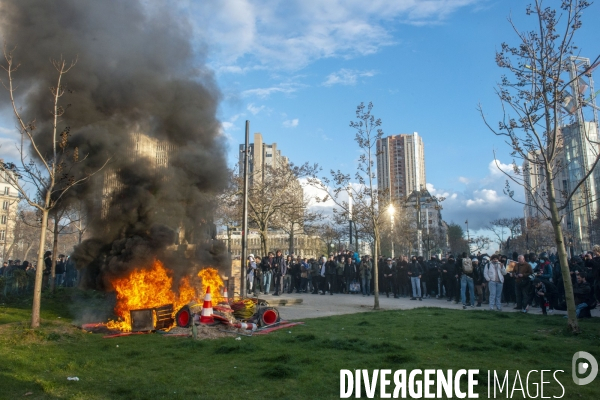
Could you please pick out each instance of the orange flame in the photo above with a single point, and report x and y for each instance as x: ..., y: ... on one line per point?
x: 150, y: 288
x: 210, y: 277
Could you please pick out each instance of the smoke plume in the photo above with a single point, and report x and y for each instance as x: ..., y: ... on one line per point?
x: 136, y: 72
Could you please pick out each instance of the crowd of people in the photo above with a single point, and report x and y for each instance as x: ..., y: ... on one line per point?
x: 65, y: 271
x: 525, y: 280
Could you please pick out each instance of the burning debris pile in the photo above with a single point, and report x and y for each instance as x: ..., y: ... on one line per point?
x: 153, y: 288
x: 150, y: 300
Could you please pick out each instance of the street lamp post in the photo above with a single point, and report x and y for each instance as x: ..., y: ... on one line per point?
x: 391, y: 211
x: 244, y: 241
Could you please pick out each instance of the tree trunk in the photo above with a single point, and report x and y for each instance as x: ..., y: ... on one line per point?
x: 376, y: 269
x: 39, y: 274
x: 29, y: 246
x: 291, y: 249
x: 54, y: 250
x: 562, y: 256
x: 263, y: 242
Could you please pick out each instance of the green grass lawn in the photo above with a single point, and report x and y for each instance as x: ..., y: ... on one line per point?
x: 302, y: 362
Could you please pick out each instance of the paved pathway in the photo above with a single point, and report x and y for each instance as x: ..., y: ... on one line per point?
x: 314, y: 305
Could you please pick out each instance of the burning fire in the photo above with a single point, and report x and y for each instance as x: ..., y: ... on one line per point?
x: 210, y: 277
x: 150, y: 288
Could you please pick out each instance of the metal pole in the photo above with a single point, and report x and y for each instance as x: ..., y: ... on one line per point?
x: 350, y: 216
x: 392, y: 230
x: 245, y: 214
x: 419, y: 231
x: 468, y: 238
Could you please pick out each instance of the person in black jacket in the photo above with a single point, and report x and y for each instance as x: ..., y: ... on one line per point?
x: 388, y: 277
x: 267, y: 266
x: 479, y: 281
x: 279, y: 270
x: 47, y: 267
x: 433, y: 274
x: 60, y: 270
x: 415, y: 272
x: 402, y: 280
x: 350, y: 272
x: 546, y: 293
x: 330, y: 275
x: 295, y: 274
x: 448, y: 279
x: 583, y: 295
x: 424, y: 277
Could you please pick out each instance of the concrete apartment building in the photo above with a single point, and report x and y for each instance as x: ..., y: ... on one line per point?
x: 262, y: 156
x: 400, y: 165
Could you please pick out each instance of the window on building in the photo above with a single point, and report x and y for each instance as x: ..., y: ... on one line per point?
x: 3, y: 220
x: 7, y: 190
x: 2, y: 235
x: 5, y: 205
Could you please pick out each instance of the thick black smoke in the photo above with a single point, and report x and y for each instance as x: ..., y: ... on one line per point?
x: 136, y: 71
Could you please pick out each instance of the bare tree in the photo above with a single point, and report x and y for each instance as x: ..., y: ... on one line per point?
x: 271, y: 192
x: 27, y: 230
x: 504, y: 229
x: 330, y: 233
x: 49, y: 175
x: 78, y: 220
x: 541, y: 69
x: 538, y: 236
x: 297, y: 217
x: 479, y: 243
x: 368, y: 204
x: 404, y: 233
x: 229, y: 207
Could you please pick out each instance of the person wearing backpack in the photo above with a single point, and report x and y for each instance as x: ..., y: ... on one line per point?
x: 466, y: 279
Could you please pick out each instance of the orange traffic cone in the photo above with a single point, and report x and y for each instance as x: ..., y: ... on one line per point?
x: 206, y: 315
x: 225, y: 295
x: 243, y: 325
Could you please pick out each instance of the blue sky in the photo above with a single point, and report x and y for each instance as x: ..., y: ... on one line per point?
x: 297, y: 69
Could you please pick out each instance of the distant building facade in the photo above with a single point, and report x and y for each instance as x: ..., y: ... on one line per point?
x: 304, y: 245
x: 9, y: 200
x: 262, y: 156
x: 577, y: 154
x: 400, y: 165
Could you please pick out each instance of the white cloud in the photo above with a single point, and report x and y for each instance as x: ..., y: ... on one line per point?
x: 291, y: 123
x: 481, y: 200
x: 228, y: 126
x: 9, y: 138
x: 8, y: 149
x: 285, y: 88
x: 346, y: 77
x: 289, y: 34
x: 254, y: 109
